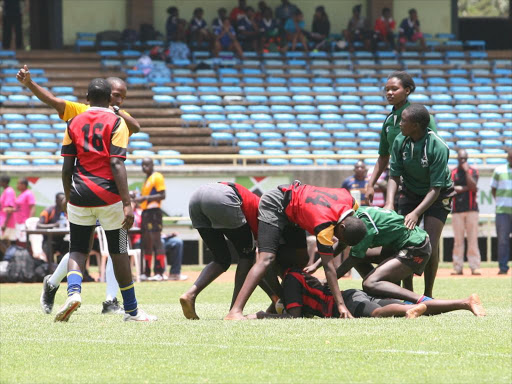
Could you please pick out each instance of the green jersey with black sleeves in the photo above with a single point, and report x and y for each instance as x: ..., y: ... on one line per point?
x: 385, y: 228
x: 391, y: 128
x: 422, y: 164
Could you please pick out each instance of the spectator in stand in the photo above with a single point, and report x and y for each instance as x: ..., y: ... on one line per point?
x: 226, y: 39
x: 384, y: 27
x: 237, y: 12
x: 248, y: 31
x: 285, y: 11
x: 321, y: 28
x: 54, y: 217
x: 171, y: 25
x: 174, y: 252
x: 294, y: 28
x: 217, y: 22
x: 12, y: 20
x: 153, y: 192
x: 25, y: 208
x: 261, y: 8
x: 178, y: 49
x: 409, y: 30
x: 198, y: 28
x: 7, y: 219
x: 501, y: 189
x: 269, y: 32
x: 357, y: 183
x: 465, y: 215
x: 357, y: 29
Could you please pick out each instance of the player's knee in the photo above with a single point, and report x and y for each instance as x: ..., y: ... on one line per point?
x: 266, y: 258
x: 224, y: 262
x: 369, y: 284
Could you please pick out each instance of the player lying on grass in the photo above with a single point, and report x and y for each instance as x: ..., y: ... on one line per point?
x: 67, y: 110
x: 409, y: 251
x: 96, y: 188
x: 305, y: 296
x: 325, y: 212
x: 219, y: 211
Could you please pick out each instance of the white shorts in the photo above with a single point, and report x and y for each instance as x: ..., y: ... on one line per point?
x: 8, y: 234
x: 111, y: 217
x: 21, y: 233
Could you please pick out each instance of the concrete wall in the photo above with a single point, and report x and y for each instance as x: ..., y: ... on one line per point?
x: 91, y: 16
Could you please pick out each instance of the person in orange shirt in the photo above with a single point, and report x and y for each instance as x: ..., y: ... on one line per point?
x: 152, y: 194
x: 69, y: 109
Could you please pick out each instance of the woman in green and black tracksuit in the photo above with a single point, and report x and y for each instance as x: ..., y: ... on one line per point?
x: 420, y: 157
x: 398, y: 88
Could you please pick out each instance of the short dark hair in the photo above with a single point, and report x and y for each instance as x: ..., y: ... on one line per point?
x: 59, y: 194
x: 355, y: 230
x: 198, y: 10
x: 5, y: 179
x: 411, y: 11
x: 406, y: 80
x: 115, y: 80
x: 99, y: 91
x: 172, y: 10
x: 385, y: 10
x: 23, y: 180
x: 418, y: 114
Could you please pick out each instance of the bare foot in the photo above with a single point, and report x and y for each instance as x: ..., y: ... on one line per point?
x: 416, y: 311
x: 188, y: 305
x: 476, y: 305
x: 235, y: 316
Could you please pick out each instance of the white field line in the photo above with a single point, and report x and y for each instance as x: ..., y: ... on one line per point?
x: 266, y: 347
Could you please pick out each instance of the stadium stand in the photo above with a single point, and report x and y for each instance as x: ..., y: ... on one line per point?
x: 327, y: 101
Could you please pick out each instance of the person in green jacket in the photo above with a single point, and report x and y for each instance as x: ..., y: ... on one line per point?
x: 420, y: 157
x: 398, y: 88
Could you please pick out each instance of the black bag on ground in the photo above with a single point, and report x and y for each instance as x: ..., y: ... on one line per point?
x: 21, y: 266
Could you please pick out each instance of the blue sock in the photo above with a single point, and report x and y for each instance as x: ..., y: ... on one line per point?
x: 129, y: 300
x: 74, y: 282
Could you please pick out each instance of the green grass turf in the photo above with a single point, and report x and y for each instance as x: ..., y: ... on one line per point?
x: 94, y: 348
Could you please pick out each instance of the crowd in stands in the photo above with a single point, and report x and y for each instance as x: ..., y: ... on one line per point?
x: 265, y: 30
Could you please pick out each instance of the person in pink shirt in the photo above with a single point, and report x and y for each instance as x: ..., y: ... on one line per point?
x: 7, y: 220
x: 25, y: 208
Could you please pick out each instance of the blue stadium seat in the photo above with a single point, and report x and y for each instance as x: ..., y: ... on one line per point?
x: 247, y: 144
x: 467, y: 144
x: 26, y: 145
x: 164, y: 99
x: 295, y: 135
x: 491, y: 143
x: 259, y: 109
x: 287, y: 126
x: 345, y: 144
x: 271, y: 135
x: 471, y: 125
x: 296, y: 144
x: 465, y: 134
x: 272, y: 144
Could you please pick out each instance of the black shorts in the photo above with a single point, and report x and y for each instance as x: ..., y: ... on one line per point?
x: 408, y: 201
x: 360, y: 304
x: 416, y: 257
x: 152, y: 220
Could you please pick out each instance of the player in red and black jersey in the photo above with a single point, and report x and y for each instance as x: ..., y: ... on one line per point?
x: 305, y: 296
x: 219, y: 211
x: 96, y: 188
x: 325, y: 212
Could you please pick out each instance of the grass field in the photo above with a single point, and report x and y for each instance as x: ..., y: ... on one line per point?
x: 94, y: 348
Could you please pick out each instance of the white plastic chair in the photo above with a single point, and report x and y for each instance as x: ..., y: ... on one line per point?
x: 36, y: 241
x: 134, y: 253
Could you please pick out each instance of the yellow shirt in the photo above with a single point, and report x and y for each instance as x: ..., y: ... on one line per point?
x: 153, y: 184
x: 72, y: 109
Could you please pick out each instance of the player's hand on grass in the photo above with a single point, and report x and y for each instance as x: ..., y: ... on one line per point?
x: 370, y: 191
x: 23, y: 75
x: 411, y: 220
x: 344, y: 312
x: 128, y: 216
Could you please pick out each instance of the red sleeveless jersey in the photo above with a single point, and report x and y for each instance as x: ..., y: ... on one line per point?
x: 315, y: 208
x: 250, y: 203
x: 93, y: 137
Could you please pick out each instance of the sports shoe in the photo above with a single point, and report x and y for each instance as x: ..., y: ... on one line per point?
x: 476, y: 272
x: 501, y: 272
x: 157, y: 277
x: 72, y: 303
x: 179, y: 277
x: 141, y: 316
x: 112, y: 306
x: 456, y: 273
x: 143, y: 277
x: 48, y: 295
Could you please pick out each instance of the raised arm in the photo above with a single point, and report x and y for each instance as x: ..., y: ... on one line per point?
x: 42, y: 94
